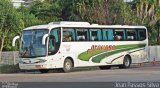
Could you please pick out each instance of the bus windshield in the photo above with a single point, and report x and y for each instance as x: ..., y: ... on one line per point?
x: 31, y: 43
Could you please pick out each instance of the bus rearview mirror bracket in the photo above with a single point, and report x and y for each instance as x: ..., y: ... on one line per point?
x: 44, y: 39
x: 14, y: 40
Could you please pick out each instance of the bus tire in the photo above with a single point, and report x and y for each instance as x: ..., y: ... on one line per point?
x: 126, y: 62
x: 67, y: 66
x: 104, y: 67
x: 44, y: 70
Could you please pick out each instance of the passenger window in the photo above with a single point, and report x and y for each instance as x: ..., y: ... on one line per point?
x: 82, y: 35
x: 95, y: 35
x: 131, y: 35
x: 68, y: 35
x: 141, y: 34
x: 119, y: 35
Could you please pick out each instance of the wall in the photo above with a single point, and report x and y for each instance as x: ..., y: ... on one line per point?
x: 154, y: 53
x: 10, y: 57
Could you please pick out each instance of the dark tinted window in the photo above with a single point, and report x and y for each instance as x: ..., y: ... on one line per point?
x: 68, y: 35
x: 119, y: 35
x: 82, y: 34
x: 131, y: 35
x: 142, y: 34
x: 95, y: 34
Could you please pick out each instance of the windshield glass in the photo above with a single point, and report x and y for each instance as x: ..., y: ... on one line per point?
x: 31, y: 43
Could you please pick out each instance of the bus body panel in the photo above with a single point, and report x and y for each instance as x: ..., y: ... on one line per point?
x: 137, y: 55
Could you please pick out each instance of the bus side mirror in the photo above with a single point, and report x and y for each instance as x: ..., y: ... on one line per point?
x: 44, y: 39
x: 14, y: 40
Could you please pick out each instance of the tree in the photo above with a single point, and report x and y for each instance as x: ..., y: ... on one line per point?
x: 48, y: 10
x: 92, y: 11
x: 69, y: 12
x: 148, y: 13
x: 98, y: 11
x: 28, y: 18
x: 14, y: 21
x: 10, y: 23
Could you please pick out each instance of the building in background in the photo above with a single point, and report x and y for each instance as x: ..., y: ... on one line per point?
x: 127, y: 0
x: 17, y: 3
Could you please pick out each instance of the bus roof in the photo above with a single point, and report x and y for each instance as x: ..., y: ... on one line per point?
x: 79, y: 24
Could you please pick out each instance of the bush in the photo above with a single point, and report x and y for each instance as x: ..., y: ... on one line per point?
x: 9, y: 68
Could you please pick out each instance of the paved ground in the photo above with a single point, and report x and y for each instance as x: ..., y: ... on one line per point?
x: 136, y: 73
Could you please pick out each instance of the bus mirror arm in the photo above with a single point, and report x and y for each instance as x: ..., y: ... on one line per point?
x: 14, y: 40
x: 44, y: 39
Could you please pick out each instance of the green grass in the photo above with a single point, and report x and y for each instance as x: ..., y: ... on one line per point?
x: 9, y: 68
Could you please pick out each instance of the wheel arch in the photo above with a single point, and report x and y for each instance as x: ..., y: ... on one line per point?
x: 70, y: 58
x: 127, y: 55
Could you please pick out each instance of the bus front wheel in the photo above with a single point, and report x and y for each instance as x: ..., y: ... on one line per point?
x: 126, y: 62
x: 67, y: 66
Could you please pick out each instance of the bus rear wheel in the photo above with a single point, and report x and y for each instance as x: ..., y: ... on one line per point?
x: 126, y: 62
x: 67, y: 66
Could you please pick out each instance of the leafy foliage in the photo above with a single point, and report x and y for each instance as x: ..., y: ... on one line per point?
x: 10, y: 24
x: 47, y: 11
x: 28, y: 18
x: 148, y: 13
x: 138, y: 12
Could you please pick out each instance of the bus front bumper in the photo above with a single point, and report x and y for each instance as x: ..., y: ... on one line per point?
x: 33, y: 66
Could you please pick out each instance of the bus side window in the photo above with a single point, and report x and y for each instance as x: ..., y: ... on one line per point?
x: 141, y: 34
x: 68, y: 35
x: 82, y: 35
x: 95, y: 35
x: 119, y: 35
x: 131, y: 35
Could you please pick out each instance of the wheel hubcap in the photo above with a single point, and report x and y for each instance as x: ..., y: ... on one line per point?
x: 68, y: 66
x: 127, y: 62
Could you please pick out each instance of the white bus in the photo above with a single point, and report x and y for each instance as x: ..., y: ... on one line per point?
x: 67, y: 45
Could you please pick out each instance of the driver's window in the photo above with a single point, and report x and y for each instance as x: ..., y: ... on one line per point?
x: 51, y: 43
x: 54, y: 41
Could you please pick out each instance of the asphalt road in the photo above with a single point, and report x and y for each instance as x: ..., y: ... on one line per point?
x: 146, y: 76
x: 136, y: 73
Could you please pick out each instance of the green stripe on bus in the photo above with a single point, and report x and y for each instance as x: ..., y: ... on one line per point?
x: 121, y: 48
x: 98, y: 58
